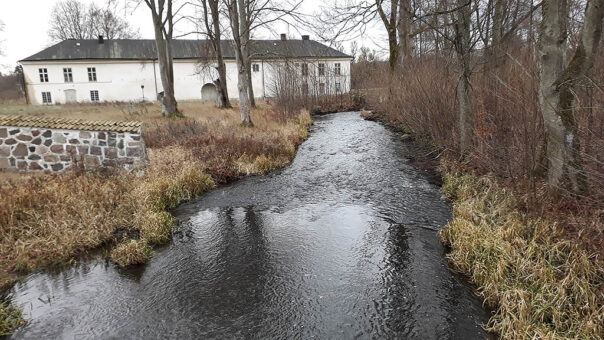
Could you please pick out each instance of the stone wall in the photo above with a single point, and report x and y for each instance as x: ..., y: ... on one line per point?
x: 57, y: 150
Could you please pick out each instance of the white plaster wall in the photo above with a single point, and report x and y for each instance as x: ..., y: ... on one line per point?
x: 122, y: 80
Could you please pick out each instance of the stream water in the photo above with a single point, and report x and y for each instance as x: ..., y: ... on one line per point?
x: 340, y: 244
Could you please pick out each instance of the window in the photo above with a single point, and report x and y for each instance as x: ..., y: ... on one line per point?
x: 92, y: 74
x: 94, y: 95
x: 304, y: 69
x: 321, y: 69
x: 322, y: 88
x: 46, y: 98
x: 255, y: 67
x: 67, y: 75
x: 337, y: 69
x: 43, y: 75
x: 338, y: 87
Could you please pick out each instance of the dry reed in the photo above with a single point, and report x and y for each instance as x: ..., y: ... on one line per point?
x: 542, y: 285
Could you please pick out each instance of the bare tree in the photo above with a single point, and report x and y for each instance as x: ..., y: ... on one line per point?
x: 163, y: 16
x: 106, y: 22
x: 68, y: 20
x: 211, y: 19
x: 245, y: 17
x: 463, y: 48
x: 72, y: 19
x: 239, y: 14
x: 352, y: 18
x: 558, y: 82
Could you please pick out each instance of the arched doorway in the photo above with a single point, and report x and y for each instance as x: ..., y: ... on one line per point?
x: 209, y: 93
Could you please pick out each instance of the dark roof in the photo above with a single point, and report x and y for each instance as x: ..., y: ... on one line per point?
x: 129, y: 49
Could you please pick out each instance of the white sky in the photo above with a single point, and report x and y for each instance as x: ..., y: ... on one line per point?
x: 26, y: 27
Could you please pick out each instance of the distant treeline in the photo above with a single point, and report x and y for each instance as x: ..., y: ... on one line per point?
x: 11, y: 86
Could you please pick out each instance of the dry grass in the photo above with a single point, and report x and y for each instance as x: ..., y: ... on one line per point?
x: 131, y: 252
x: 542, y: 285
x: 51, y: 219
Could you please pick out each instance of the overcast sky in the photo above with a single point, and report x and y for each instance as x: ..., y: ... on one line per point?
x: 26, y: 25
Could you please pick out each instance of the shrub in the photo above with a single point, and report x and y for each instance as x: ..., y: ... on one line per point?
x: 10, y: 318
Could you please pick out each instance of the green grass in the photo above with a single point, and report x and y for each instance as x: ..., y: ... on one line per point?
x: 10, y: 318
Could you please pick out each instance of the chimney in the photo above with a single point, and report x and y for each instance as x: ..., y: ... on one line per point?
x: 283, y: 36
x: 101, y: 40
x: 305, y: 37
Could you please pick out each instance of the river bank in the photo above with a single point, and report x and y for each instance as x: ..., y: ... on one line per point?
x: 54, y: 219
x: 528, y: 264
x: 341, y: 243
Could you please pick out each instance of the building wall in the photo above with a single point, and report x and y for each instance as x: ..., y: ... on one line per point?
x: 122, y: 80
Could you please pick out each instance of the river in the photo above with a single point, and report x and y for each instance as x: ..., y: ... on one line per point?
x: 340, y: 244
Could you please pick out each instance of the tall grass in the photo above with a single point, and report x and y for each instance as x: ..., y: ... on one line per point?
x: 536, y: 257
x: 46, y: 220
x: 543, y: 285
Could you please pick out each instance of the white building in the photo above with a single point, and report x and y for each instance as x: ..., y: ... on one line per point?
x: 127, y: 70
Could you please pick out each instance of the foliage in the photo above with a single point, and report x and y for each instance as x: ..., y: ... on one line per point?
x: 542, y: 285
x: 10, y: 318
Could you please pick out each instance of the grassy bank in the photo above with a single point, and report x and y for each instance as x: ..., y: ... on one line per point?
x: 52, y: 219
x: 541, y: 284
x: 536, y: 260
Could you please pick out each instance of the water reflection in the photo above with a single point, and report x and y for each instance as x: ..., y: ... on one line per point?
x: 340, y: 244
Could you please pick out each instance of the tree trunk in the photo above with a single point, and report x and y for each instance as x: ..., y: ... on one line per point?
x: 405, y: 26
x: 242, y: 86
x: 164, y: 56
x: 239, y: 27
x: 565, y: 166
x: 498, y: 20
x: 167, y: 78
x: 250, y: 88
x: 462, y: 42
x: 221, y: 84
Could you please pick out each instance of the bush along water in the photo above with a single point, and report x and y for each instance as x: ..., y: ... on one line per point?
x: 542, y: 285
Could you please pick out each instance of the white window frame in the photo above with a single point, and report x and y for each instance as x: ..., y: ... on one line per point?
x: 43, y: 75
x: 255, y: 67
x: 338, y: 69
x: 46, y: 97
x: 321, y: 69
x: 67, y: 74
x: 338, y: 87
x: 91, y: 74
x: 322, y: 88
x: 304, y: 69
x: 94, y: 96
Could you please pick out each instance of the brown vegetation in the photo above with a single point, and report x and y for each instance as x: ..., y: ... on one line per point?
x: 46, y: 220
x: 534, y: 247
x: 545, y: 286
x: 508, y: 133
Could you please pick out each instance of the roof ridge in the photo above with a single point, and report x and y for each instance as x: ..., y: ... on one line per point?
x: 70, y: 124
x: 145, y: 49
